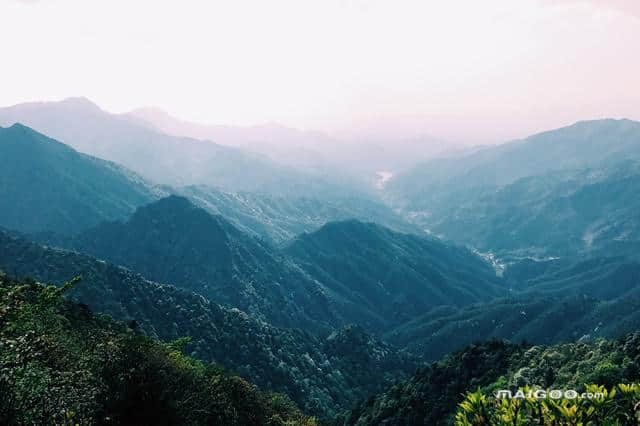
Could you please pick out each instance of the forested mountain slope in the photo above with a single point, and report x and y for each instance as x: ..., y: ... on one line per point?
x: 323, y: 374
x: 567, y: 213
x: 581, y: 145
x: 561, y: 301
x: 430, y: 397
x: 62, y: 364
x: 306, y: 284
x: 174, y: 241
x: 46, y: 185
x: 386, y: 277
x: 560, y: 192
x: 281, y: 218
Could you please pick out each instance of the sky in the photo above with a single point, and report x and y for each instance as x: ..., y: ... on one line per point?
x: 466, y: 71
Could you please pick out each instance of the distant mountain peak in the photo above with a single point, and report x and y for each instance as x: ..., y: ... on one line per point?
x: 348, y: 225
x: 19, y: 130
x: 176, y: 204
x: 80, y: 102
x: 20, y: 126
x: 175, y: 200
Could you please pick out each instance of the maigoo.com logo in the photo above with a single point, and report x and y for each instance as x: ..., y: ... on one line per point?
x: 592, y: 405
x: 544, y: 394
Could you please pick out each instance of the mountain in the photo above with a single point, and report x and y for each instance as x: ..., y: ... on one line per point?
x: 297, y: 148
x: 39, y: 172
x: 566, y: 184
x: 174, y: 241
x: 162, y: 158
x: 63, y: 364
x: 432, y: 394
x: 281, y: 218
x: 77, y: 191
x: 580, y: 145
x: 547, y: 302
x: 357, y: 156
x: 308, y: 284
x: 315, y: 371
x: 345, y: 272
x: 384, y: 277
x: 572, y: 212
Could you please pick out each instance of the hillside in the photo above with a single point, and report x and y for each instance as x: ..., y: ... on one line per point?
x: 174, y: 241
x: 559, y: 301
x: 313, y: 371
x: 430, y: 397
x: 162, y: 158
x: 337, y: 275
x: 382, y: 277
x: 39, y: 174
x: 567, y: 213
x: 556, y: 191
x: 281, y: 218
x: 62, y: 364
x: 581, y: 145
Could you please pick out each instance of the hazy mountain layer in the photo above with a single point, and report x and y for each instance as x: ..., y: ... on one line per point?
x: 564, y: 191
x: 558, y: 214
x: 354, y: 156
x: 160, y: 157
x: 581, y: 145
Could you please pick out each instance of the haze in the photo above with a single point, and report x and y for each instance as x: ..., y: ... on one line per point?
x: 463, y: 71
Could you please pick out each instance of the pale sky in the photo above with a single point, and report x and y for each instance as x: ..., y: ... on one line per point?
x: 473, y: 71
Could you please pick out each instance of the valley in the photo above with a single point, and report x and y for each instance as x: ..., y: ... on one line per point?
x: 341, y: 302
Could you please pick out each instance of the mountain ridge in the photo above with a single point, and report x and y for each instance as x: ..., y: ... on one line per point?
x: 162, y: 158
x: 38, y: 173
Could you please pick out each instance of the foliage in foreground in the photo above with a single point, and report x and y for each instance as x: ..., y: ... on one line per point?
x: 615, y: 406
x: 432, y: 395
x: 61, y: 364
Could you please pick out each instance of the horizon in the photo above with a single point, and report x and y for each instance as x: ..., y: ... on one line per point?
x: 465, y: 73
x: 278, y: 125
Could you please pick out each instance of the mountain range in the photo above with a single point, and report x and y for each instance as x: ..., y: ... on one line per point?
x: 351, y: 156
x: 314, y: 284
x: 345, y: 272
x: 159, y: 157
x: 324, y: 374
x: 280, y: 218
x: 561, y: 192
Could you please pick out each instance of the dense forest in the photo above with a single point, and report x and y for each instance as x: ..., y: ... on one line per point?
x: 432, y: 395
x: 62, y: 364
